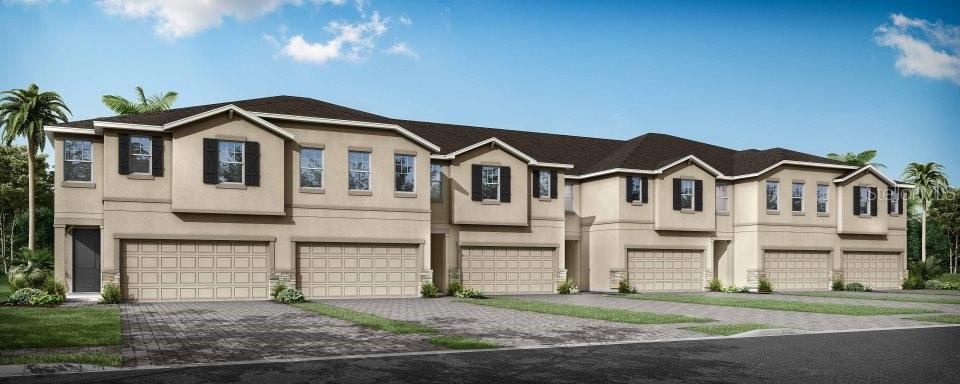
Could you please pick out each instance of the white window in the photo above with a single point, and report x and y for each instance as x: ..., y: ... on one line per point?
x: 436, y: 182
x: 636, y: 188
x: 141, y: 159
x: 404, y: 176
x: 230, y: 165
x: 723, y: 197
x: 77, y: 160
x: 544, y: 183
x: 568, y: 197
x: 311, y: 168
x: 894, y: 200
x: 773, y: 195
x: 865, y: 200
x: 490, y: 177
x: 796, y: 197
x: 358, y: 178
x: 822, y: 198
x: 686, y: 194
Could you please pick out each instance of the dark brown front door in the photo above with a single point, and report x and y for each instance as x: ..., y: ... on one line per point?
x: 86, y: 260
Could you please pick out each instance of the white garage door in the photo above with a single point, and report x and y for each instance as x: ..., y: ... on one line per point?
x: 505, y: 270
x: 665, y: 269
x: 879, y: 270
x: 328, y: 270
x: 194, y: 270
x: 797, y: 270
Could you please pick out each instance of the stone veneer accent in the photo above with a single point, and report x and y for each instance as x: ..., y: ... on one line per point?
x: 616, y: 276
x: 426, y: 276
x: 287, y: 277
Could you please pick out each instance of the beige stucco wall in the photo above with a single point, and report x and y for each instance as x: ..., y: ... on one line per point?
x: 684, y: 220
x: 467, y: 211
x: 119, y: 187
x: 864, y: 224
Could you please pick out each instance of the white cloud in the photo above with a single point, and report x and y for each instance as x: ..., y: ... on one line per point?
x: 405, y: 20
x: 928, y: 49
x: 401, y: 48
x: 352, y: 42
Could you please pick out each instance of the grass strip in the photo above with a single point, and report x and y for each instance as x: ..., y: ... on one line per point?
x: 778, y: 305
x: 94, y: 358
x: 462, y: 342
x: 946, y: 319
x: 934, y: 299
x: 726, y: 329
x: 364, y: 319
x: 598, y: 313
x: 5, y: 288
x: 24, y: 327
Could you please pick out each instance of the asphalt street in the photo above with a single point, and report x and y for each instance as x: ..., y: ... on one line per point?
x: 898, y: 356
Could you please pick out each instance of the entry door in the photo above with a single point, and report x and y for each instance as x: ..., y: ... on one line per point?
x: 86, y: 260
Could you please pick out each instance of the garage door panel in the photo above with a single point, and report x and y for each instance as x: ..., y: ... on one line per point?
x: 509, y: 270
x: 797, y: 270
x: 665, y: 270
x: 358, y: 270
x: 879, y: 270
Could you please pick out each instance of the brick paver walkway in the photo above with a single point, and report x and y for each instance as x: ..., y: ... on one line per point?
x: 206, y: 332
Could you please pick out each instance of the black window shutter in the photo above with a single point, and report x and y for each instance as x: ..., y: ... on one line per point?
x: 698, y: 195
x: 901, y: 203
x: 123, y: 154
x: 873, y: 201
x: 211, y: 148
x: 643, y: 190
x: 676, y: 194
x: 475, y: 182
x: 536, y: 183
x: 629, y: 189
x: 157, y: 153
x: 251, y: 157
x: 505, y: 184
x: 856, y: 201
x: 553, y: 184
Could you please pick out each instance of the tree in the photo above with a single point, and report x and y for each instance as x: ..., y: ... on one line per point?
x: 24, y: 113
x: 143, y: 104
x: 945, y: 211
x: 861, y: 159
x: 929, y: 181
x: 13, y: 192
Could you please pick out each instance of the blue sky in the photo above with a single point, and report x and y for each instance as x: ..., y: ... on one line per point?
x: 815, y: 77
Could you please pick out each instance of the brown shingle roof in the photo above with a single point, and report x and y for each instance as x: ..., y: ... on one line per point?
x: 587, y: 154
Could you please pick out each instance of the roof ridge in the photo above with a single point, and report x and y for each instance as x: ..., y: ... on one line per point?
x: 510, y: 130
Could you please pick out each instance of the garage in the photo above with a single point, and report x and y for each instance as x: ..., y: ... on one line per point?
x: 170, y: 270
x: 797, y: 270
x: 508, y: 270
x: 878, y: 270
x: 665, y: 269
x: 331, y: 270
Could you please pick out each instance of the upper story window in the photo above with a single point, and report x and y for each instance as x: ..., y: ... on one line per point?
x: 490, y: 180
x: 404, y: 176
x: 723, y: 198
x: 796, y: 197
x: 141, y: 158
x: 686, y: 194
x: 636, y: 188
x: 230, y: 162
x: 358, y: 163
x: 543, y: 184
x: 77, y: 160
x: 773, y: 195
x: 894, y: 201
x: 864, y: 201
x: 311, y: 168
x: 822, y: 198
x: 436, y: 182
x: 568, y: 197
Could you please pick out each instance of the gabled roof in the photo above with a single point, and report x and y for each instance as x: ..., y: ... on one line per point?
x: 867, y: 168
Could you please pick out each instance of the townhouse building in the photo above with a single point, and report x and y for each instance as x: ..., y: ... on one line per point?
x: 220, y: 201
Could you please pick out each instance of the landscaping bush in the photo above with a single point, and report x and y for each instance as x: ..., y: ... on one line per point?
x: 280, y: 286
x: 764, y: 285
x: 715, y: 285
x: 428, y: 290
x: 948, y: 278
x: 45, y: 299
x: 31, y: 268
x: 23, y: 296
x: 55, y: 287
x: 288, y: 296
x: 454, y: 287
x: 913, y: 282
x: 471, y: 294
x: 925, y: 270
x: 736, y: 289
x: 625, y: 287
x: 837, y: 284
x: 937, y: 284
x: 568, y: 287
x: 111, y: 294
x: 856, y: 287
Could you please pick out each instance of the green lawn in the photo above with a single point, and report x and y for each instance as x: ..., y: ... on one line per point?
x: 944, y: 299
x: 777, y: 305
x: 5, y: 289
x: 726, y: 329
x: 395, y: 326
x: 95, y: 358
x: 949, y: 319
x: 24, y: 327
x: 598, y: 313
x: 948, y: 278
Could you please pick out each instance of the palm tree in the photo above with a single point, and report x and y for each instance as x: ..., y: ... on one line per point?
x: 23, y: 113
x: 143, y: 104
x: 929, y: 181
x: 861, y: 159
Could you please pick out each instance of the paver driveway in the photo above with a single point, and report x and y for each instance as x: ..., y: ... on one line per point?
x: 206, y: 332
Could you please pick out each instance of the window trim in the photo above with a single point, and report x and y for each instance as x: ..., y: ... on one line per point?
x: 868, y: 213
x: 483, y: 182
x: 369, y: 172
x: 243, y: 163
x: 692, y: 194
x: 413, y: 171
x: 65, y: 160
x: 541, y: 175
x: 826, y: 199
x: 776, y: 196
x: 149, y: 149
x: 439, y: 183
x: 725, y: 197
x: 322, y: 168
x: 569, y: 197
x: 636, y: 184
x: 802, y: 197
x: 894, y: 192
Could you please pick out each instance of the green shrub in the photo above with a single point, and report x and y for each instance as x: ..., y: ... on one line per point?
x: 764, y: 285
x: 736, y: 289
x: 855, y: 287
x: 925, y: 270
x: 280, y: 286
x: 23, y: 296
x: 55, y: 287
x: 454, y: 287
x: 625, y: 287
x: 568, y: 287
x: 288, y: 296
x: 837, y: 284
x: 471, y: 294
x: 913, y: 282
x: 45, y: 299
x: 110, y: 294
x: 937, y: 284
x: 948, y: 278
x: 428, y: 290
x: 715, y: 285
x: 31, y: 268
